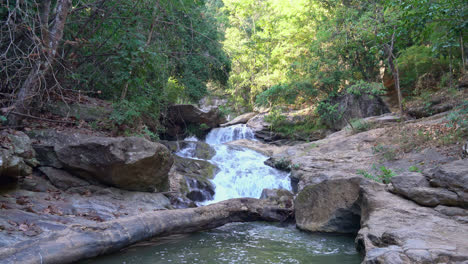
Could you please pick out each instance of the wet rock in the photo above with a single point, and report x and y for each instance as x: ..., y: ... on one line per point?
x: 194, y: 149
x: 281, y: 197
x: 181, y: 116
x: 330, y: 206
x: 192, y: 177
x: 242, y: 119
x: 265, y: 149
x: 130, y: 163
x: 62, y: 179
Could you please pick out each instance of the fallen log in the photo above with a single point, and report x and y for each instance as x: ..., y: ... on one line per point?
x: 79, y: 242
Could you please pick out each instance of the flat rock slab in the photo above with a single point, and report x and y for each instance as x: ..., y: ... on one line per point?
x: 395, y: 230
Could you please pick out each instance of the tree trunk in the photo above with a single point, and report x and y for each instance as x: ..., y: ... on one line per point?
x: 462, y: 48
x: 394, y: 68
x: 51, y: 39
x: 396, y: 78
x: 79, y: 242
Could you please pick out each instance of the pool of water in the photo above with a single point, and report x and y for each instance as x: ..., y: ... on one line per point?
x: 241, y: 243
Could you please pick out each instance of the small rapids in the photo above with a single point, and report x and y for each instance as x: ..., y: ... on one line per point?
x: 242, y: 171
x: 242, y: 174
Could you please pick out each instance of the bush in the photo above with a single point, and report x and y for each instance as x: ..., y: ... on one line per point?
x: 360, y: 125
x: 416, y: 61
x: 385, y: 175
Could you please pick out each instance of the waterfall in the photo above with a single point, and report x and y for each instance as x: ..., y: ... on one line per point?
x: 242, y: 170
x: 231, y: 133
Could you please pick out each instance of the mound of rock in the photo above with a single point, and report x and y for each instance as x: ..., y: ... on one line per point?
x: 17, y: 157
x: 129, y: 163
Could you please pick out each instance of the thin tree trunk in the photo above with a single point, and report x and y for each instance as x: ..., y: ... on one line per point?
x: 395, y: 72
x: 43, y: 65
x: 462, y: 48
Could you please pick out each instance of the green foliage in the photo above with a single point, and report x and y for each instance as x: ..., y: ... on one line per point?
x: 416, y: 61
x: 360, y: 125
x: 275, y: 118
x: 387, y: 153
x: 302, y: 129
x: 329, y: 112
x: 414, y: 168
x: 282, y: 164
x: 458, y: 119
x: 369, y: 88
x: 384, y: 176
x: 144, y: 55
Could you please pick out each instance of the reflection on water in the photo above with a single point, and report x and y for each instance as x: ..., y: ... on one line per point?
x: 243, y: 243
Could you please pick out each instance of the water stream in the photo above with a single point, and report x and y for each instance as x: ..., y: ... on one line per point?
x: 242, y: 174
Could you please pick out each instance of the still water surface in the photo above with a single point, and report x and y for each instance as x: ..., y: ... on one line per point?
x: 243, y: 243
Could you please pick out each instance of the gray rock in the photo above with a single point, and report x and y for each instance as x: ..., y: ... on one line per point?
x: 415, y: 186
x: 17, y: 157
x: 130, y: 163
x: 330, y: 206
x: 281, y: 197
x: 396, y: 230
x: 191, y: 177
x: 87, y: 112
x: 355, y: 106
x: 242, y: 119
x: 62, y: 179
x: 180, y: 116
x: 452, y: 176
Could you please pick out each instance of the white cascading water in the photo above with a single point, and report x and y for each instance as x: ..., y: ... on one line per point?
x: 242, y: 171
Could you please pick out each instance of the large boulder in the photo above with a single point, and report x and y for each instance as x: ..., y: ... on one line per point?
x: 180, y: 117
x: 242, y: 119
x: 396, y: 230
x: 352, y: 106
x: 17, y: 157
x: 453, y: 177
x: 330, y: 206
x: 191, y: 149
x: 94, y: 110
x: 416, y: 187
x: 130, y: 163
x: 191, y: 177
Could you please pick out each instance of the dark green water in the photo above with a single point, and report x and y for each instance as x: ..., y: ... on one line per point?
x: 241, y: 243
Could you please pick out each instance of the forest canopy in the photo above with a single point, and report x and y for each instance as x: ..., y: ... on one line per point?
x: 144, y: 55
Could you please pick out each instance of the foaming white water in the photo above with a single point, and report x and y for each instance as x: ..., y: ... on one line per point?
x: 243, y: 174
x: 231, y: 133
x: 190, y: 149
x: 242, y: 171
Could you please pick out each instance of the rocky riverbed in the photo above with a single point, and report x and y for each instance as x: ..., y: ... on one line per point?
x: 91, y: 195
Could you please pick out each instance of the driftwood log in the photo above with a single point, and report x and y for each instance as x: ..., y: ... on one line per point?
x: 79, y: 242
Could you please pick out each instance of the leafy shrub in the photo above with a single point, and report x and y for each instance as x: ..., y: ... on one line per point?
x: 416, y: 61
x: 328, y: 112
x: 384, y: 176
x: 369, y: 88
x: 414, y: 168
x: 296, y: 92
x: 458, y: 119
x: 387, y: 153
x: 359, y: 125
